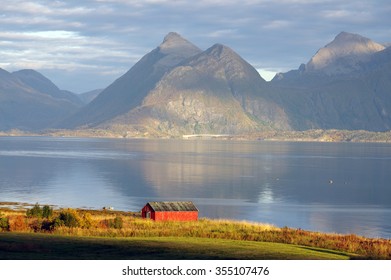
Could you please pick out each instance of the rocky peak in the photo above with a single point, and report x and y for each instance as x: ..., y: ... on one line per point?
x: 220, y: 51
x: 348, y: 43
x: 173, y: 42
x: 234, y: 65
x: 171, y: 38
x: 175, y: 49
x: 343, y: 54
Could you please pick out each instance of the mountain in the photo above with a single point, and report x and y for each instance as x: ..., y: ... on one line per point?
x: 29, y: 101
x: 346, y: 53
x: 87, y: 97
x: 178, y: 89
x: 128, y: 91
x: 345, y: 85
x: 42, y: 84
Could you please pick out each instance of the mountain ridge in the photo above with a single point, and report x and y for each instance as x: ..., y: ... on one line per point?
x: 350, y: 91
x: 352, y: 49
x: 30, y: 101
x: 127, y: 91
x: 178, y: 89
x: 214, y: 91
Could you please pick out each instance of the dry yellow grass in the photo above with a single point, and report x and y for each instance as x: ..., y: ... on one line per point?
x: 99, y: 224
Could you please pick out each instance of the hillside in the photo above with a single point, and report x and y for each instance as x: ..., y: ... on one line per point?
x: 29, y: 101
x: 215, y: 91
x: 345, y: 85
x: 128, y: 91
x: 87, y: 97
x: 345, y: 54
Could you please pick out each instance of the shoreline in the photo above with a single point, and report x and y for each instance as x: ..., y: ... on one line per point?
x: 24, y: 206
x: 314, y: 135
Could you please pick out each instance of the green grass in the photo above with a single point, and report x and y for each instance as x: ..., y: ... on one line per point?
x: 27, y: 246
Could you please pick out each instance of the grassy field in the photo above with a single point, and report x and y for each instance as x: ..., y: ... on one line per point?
x: 90, y: 234
x: 25, y: 246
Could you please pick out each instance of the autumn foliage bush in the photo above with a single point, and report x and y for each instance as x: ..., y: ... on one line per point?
x: 4, y: 223
x: 18, y: 223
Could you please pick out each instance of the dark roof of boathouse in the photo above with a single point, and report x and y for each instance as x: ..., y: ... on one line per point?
x: 170, y: 206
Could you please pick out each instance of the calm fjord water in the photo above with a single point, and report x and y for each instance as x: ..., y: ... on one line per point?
x: 331, y: 187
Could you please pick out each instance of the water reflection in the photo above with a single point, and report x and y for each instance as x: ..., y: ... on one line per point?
x: 317, y: 186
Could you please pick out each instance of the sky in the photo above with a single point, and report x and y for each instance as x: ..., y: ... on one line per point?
x: 86, y: 45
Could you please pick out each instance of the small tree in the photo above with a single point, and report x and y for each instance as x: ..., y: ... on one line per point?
x: 4, y: 223
x: 36, y: 211
x: 47, y: 212
x: 68, y: 218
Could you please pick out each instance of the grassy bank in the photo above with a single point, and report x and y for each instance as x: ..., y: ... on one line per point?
x: 43, y: 246
x: 219, y: 238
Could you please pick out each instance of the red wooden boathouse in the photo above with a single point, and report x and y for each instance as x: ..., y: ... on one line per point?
x: 170, y: 211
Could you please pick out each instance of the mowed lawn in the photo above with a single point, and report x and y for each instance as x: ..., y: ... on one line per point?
x: 28, y: 246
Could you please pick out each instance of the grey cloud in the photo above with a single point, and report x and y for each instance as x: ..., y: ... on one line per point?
x: 106, y: 37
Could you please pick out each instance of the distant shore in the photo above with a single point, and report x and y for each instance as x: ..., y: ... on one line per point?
x: 314, y: 135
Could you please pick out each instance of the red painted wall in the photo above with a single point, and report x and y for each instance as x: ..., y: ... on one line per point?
x: 169, y: 216
x: 176, y: 216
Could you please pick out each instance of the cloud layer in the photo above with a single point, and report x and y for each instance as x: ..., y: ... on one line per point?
x: 83, y: 45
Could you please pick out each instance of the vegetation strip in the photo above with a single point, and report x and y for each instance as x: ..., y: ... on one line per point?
x: 312, y: 135
x: 131, y: 231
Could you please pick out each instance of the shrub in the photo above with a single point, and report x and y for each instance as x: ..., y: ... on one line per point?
x: 48, y: 225
x: 116, y: 223
x: 47, y: 212
x: 4, y: 223
x: 103, y: 224
x: 18, y: 223
x: 87, y: 221
x: 68, y: 218
x: 36, y: 211
x: 36, y: 224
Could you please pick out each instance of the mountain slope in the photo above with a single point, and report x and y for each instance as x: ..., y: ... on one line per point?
x: 178, y: 89
x: 345, y: 85
x: 87, y: 97
x: 346, y: 53
x: 212, y: 92
x: 129, y: 90
x: 42, y: 84
x: 23, y: 106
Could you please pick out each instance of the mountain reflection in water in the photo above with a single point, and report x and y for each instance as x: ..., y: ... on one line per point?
x: 332, y: 187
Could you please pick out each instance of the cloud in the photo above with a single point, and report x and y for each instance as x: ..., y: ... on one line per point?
x: 222, y: 33
x: 106, y: 37
x: 277, y: 24
x: 47, y: 8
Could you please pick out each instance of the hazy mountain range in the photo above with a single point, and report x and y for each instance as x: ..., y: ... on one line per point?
x: 179, y: 89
